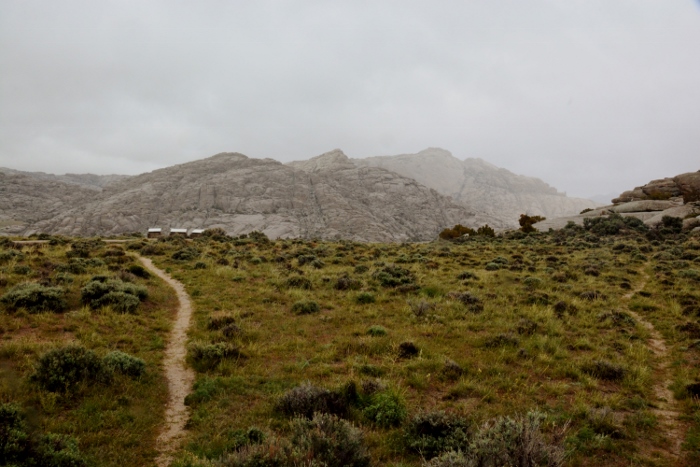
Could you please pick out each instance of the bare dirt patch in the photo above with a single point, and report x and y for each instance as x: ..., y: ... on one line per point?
x: 179, y: 376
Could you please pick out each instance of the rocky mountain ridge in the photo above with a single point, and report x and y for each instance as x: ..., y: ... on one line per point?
x: 327, y: 197
x: 96, y: 182
x: 479, y: 185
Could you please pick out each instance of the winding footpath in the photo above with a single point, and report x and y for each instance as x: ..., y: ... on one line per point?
x: 179, y: 376
x: 665, y: 409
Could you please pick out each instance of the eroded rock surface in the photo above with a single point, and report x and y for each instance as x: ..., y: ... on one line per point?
x: 326, y: 197
x: 481, y: 186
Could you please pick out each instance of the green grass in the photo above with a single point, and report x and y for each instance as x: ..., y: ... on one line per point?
x: 548, y: 329
x: 521, y: 350
x: 115, y: 423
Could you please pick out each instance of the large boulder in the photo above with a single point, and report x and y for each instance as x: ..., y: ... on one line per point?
x: 683, y: 211
x: 643, y: 206
x: 689, y: 186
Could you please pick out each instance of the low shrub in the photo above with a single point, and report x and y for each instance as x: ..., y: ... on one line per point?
x: 61, y: 369
x: 305, y: 307
x: 386, y: 409
x: 605, y: 370
x: 408, y: 350
x: 452, y: 370
x: 59, y: 451
x: 327, y: 440
x: 35, y: 298
x: 508, y: 441
x: 14, y: 437
x: 376, y: 331
x: 120, y: 362
x: 122, y: 296
x: 206, y: 356
x: 220, y: 320
x: 394, y: 276
x: 306, y: 400
x: 139, y: 271
x: 299, y: 282
x: 432, y: 433
x: 186, y: 254
x: 472, y: 302
x: 365, y: 298
x: 347, y: 283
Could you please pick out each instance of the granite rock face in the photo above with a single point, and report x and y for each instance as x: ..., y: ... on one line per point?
x: 673, y: 197
x: 327, y: 197
x: 480, y: 186
x: 26, y: 200
x: 96, y: 182
x: 686, y: 185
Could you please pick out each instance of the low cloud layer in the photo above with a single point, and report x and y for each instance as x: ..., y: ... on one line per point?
x: 592, y: 96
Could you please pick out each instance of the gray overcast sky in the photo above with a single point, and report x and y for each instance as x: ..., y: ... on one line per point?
x: 592, y: 96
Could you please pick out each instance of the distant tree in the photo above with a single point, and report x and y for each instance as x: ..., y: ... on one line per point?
x: 526, y: 222
x: 455, y: 232
x: 486, y: 231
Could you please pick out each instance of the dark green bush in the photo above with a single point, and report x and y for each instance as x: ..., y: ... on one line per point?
x: 186, y: 254
x: 59, y: 451
x: 602, y: 369
x: 122, y: 296
x: 365, y: 298
x: 20, y: 447
x: 386, y: 409
x: 305, y: 307
x: 432, y: 433
x: 139, y: 271
x: 376, y: 330
x: 330, y: 441
x: 408, y: 350
x: 120, y: 362
x: 394, y: 276
x: 61, y: 369
x: 14, y: 437
x: 299, y: 282
x: 207, y: 356
x: 35, y: 298
x: 347, y: 283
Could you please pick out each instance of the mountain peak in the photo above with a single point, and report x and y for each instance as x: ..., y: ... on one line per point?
x: 331, y: 159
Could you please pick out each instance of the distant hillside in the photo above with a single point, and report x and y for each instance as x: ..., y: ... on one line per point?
x: 84, y: 180
x: 25, y: 200
x: 481, y: 186
x: 326, y: 197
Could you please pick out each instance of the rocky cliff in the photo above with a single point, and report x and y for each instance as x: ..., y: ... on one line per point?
x: 480, y: 186
x: 678, y: 196
x: 326, y: 197
x: 26, y: 200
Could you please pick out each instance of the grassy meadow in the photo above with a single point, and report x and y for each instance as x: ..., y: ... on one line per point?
x: 343, y: 353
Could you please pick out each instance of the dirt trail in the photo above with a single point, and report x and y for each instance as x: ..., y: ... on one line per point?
x: 180, y: 378
x: 665, y: 407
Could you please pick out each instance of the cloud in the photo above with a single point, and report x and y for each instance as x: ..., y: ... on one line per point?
x: 591, y: 96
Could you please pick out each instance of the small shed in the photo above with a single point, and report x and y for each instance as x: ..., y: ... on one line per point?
x: 154, y: 232
x: 178, y: 232
x: 195, y: 233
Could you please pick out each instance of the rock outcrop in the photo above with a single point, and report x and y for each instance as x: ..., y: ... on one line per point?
x: 686, y: 185
x: 27, y: 200
x: 327, y: 197
x: 674, y: 197
x: 481, y: 186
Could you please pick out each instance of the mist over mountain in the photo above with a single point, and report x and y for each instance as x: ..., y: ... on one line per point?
x: 481, y: 186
